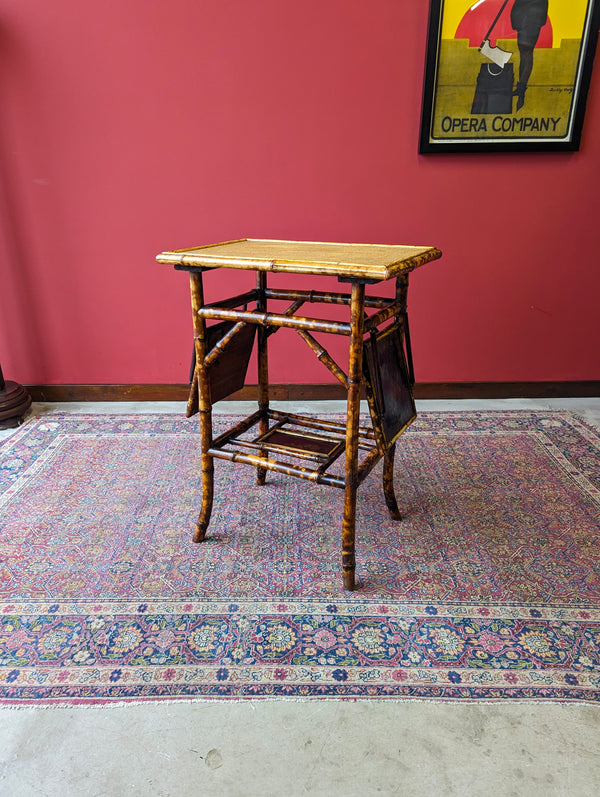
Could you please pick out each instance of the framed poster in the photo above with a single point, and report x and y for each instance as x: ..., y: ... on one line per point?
x: 507, y: 75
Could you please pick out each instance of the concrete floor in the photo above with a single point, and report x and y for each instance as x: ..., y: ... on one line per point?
x: 329, y: 748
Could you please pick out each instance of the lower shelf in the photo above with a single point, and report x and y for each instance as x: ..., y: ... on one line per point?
x: 315, y: 442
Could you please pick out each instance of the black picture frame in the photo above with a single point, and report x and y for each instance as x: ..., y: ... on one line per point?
x: 471, y: 93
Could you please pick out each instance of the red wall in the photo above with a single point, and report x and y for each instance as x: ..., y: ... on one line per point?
x: 132, y: 126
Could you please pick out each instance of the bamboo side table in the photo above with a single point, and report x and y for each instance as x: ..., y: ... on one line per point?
x: 379, y: 357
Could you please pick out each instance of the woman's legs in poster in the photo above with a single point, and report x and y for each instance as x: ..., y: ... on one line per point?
x: 526, y: 41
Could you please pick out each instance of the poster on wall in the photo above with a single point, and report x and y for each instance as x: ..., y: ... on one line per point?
x: 507, y: 75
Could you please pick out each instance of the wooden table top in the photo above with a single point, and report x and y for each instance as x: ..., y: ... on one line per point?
x: 359, y: 261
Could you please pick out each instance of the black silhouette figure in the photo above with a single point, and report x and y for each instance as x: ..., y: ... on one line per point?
x: 527, y: 17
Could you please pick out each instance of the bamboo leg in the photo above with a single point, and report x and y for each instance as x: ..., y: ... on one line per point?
x: 352, y: 424
x: 192, y: 403
x: 388, y: 483
x: 388, y: 459
x: 205, y: 408
x: 263, y: 367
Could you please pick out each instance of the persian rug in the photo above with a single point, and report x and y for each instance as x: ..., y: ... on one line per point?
x: 488, y: 589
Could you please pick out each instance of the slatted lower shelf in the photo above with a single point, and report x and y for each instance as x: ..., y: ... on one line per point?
x: 315, y: 442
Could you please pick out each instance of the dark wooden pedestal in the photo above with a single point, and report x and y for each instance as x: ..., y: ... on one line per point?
x: 14, y: 403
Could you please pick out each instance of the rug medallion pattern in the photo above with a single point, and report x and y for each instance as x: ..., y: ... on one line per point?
x: 489, y: 588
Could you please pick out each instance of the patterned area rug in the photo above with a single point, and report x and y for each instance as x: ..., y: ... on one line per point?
x: 488, y: 589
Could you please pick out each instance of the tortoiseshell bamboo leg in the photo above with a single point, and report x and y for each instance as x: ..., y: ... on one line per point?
x: 192, y: 404
x: 205, y: 407
x: 388, y: 483
x: 388, y: 458
x: 263, y: 368
x: 352, y: 424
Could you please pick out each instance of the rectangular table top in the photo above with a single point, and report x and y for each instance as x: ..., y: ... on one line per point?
x: 359, y: 261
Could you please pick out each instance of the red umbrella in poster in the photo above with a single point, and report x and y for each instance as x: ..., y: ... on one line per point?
x: 475, y: 24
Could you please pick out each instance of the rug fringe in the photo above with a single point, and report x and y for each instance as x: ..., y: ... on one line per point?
x: 204, y: 701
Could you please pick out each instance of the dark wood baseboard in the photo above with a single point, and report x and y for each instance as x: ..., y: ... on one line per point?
x: 318, y: 392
